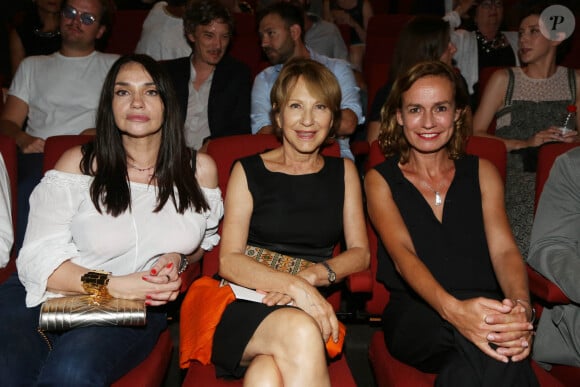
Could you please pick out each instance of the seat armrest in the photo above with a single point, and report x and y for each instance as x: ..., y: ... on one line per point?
x: 544, y: 289
x: 190, y: 274
x: 361, y: 282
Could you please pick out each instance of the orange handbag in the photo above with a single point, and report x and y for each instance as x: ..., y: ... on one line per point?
x: 201, y: 311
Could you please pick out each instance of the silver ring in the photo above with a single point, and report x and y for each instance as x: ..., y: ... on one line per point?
x: 168, y: 278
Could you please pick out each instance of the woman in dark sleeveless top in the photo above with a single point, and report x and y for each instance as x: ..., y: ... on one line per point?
x: 38, y: 34
x: 294, y: 201
x: 459, y: 305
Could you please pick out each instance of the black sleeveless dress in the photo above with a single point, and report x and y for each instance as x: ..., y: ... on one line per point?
x: 456, y: 253
x: 297, y: 215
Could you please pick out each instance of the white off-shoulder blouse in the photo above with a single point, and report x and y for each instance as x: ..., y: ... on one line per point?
x: 64, y: 224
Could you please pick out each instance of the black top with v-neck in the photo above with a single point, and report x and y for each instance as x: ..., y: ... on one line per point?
x: 454, y: 250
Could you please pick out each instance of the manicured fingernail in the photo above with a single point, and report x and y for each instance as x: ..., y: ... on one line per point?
x: 170, y: 265
x: 153, y: 271
x: 144, y: 278
x: 148, y: 297
x: 147, y: 303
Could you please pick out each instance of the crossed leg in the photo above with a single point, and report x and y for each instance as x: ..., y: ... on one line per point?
x: 286, y: 350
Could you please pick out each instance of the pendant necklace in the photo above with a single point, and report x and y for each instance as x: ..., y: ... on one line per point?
x: 437, y: 192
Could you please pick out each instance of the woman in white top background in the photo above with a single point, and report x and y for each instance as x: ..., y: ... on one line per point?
x: 6, y: 230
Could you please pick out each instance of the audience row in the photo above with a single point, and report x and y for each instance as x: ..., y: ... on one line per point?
x: 140, y: 173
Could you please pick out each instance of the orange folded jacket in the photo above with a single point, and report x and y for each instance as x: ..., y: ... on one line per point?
x: 201, y: 311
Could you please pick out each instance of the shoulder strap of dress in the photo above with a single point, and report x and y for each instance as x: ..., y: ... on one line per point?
x: 572, y: 83
x: 510, y: 88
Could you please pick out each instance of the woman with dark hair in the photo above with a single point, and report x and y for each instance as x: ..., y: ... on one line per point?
x: 459, y: 302
x: 485, y: 43
x: 294, y: 201
x: 430, y: 38
x: 133, y: 208
x: 38, y: 34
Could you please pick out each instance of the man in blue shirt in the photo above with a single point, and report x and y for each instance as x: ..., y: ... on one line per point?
x: 281, y: 27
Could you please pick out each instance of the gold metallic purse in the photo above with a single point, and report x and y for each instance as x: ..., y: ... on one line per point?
x: 98, y: 308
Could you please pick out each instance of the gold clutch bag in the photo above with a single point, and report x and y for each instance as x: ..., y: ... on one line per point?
x: 59, y: 314
x: 277, y: 261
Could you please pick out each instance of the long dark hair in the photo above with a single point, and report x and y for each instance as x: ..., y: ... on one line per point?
x: 423, y: 38
x: 105, y: 158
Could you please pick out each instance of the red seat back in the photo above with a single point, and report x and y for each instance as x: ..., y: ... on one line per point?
x: 484, y: 76
x: 125, y: 31
x: 245, y: 44
x: 55, y: 146
x: 546, y: 157
x: 8, y: 150
x: 382, y: 32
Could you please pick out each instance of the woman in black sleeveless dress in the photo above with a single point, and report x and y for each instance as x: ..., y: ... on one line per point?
x: 294, y: 201
x: 459, y: 305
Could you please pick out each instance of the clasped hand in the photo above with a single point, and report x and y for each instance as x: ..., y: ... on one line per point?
x: 158, y: 286
x: 503, y: 324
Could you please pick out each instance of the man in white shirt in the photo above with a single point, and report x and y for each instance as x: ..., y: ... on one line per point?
x: 322, y: 36
x: 59, y: 93
x: 56, y: 94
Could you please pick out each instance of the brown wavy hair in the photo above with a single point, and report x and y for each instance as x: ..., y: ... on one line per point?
x: 391, y: 137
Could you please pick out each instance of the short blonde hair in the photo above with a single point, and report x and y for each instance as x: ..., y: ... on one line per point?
x: 319, y: 80
x: 391, y: 137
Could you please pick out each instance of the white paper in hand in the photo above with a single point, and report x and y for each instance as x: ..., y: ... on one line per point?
x: 243, y: 293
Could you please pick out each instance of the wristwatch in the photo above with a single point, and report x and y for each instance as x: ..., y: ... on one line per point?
x: 183, y: 263
x: 331, y: 273
x: 95, y: 282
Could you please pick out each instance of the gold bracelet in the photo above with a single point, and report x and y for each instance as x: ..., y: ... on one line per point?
x: 529, y: 304
x: 95, y: 283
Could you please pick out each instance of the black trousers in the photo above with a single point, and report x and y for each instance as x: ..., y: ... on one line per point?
x: 416, y: 335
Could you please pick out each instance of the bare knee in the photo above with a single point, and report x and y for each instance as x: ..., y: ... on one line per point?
x: 263, y: 372
x: 305, y: 332
x: 285, y: 331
